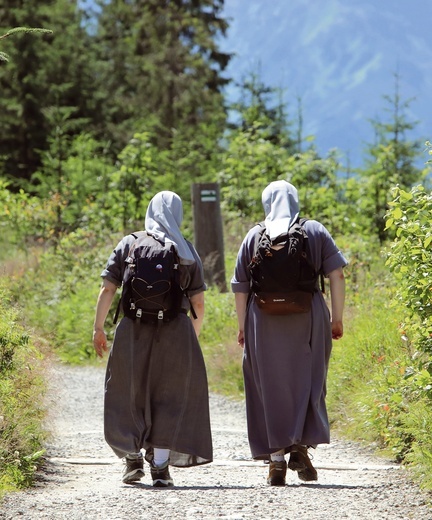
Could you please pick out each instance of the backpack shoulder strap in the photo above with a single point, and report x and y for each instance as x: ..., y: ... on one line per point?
x: 257, y: 238
x: 301, y: 221
x: 136, y: 235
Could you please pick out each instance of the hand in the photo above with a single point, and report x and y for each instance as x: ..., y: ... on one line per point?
x: 240, y: 338
x: 100, y: 342
x: 337, y: 329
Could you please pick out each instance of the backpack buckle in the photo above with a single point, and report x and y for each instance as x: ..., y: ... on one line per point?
x: 139, y: 313
x: 160, y: 315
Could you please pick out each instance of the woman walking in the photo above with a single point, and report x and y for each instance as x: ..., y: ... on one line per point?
x: 156, y: 394
x: 286, y: 357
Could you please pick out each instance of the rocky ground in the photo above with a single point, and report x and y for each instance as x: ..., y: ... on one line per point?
x: 81, y: 479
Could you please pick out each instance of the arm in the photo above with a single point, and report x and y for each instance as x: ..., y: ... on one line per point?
x: 337, y: 292
x: 106, y: 296
x: 241, y: 302
x: 197, y: 301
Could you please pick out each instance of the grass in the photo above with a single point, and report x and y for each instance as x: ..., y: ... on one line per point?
x: 22, y: 388
x: 219, y: 344
x: 365, y: 353
x: 371, y: 398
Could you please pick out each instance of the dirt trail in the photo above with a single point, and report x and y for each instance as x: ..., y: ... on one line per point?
x: 82, y: 476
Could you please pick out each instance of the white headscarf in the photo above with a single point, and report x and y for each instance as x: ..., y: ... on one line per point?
x: 163, y: 219
x: 281, y: 207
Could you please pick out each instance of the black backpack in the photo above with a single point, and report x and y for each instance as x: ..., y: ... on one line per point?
x: 151, y: 283
x: 283, y: 280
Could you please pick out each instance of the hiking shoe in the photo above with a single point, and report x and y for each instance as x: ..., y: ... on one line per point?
x: 299, y: 461
x: 134, y: 470
x: 161, y: 475
x: 277, y: 473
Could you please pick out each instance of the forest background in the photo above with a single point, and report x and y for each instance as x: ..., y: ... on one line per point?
x: 119, y: 103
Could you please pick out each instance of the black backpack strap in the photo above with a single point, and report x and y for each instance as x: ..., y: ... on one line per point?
x: 322, y: 284
x: 192, y: 310
x: 257, y: 238
x: 301, y: 221
x: 117, y: 312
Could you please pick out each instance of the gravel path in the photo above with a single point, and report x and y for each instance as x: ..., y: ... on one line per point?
x: 82, y: 476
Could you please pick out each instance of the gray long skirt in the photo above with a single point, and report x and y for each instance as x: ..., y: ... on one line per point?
x: 156, y: 392
x: 285, y: 367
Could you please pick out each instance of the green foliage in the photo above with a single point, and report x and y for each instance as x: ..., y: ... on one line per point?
x: 379, y: 385
x: 429, y: 147
x: 143, y: 170
x: 62, y: 197
x: 27, y: 30
x: 417, y: 423
x: 161, y: 68
x: 366, y: 379
x: 317, y: 184
x: 24, y: 219
x: 260, y: 104
x: 250, y: 163
x: 74, y: 173
x: 55, y: 72
x: 391, y: 162
x: 218, y: 339
x: 60, y: 292
x: 21, y: 411
x: 352, y: 216
x: 410, y: 258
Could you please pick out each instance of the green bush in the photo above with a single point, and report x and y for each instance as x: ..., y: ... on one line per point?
x: 21, y: 391
x: 375, y: 394
x: 410, y: 258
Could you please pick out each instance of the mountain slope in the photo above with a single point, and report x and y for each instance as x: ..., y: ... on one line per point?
x: 340, y: 57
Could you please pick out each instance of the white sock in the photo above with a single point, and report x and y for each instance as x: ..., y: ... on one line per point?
x: 134, y: 455
x: 278, y: 456
x: 160, y: 456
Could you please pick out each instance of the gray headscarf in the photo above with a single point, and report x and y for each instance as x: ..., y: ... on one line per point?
x: 281, y: 207
x: 163, y: 219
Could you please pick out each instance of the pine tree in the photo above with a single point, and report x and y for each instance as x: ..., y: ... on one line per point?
x: 162, y: 67
x: 53, y: 71
x: 261, y: 108
x: 391, y: 159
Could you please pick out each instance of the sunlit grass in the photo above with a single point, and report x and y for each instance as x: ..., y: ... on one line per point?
x: 22, y: 387
x: 219, y: 344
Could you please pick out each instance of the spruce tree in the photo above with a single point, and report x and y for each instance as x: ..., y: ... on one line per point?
x: 162, y: 67
x: 261, y: 109
x: 392, y: 159
x: 48, y: 71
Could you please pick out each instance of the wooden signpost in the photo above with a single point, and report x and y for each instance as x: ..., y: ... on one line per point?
x: 208, y: 232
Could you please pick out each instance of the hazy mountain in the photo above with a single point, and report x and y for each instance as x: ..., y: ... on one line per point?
x: 340, y: 57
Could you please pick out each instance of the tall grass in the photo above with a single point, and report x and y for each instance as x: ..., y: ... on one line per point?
x: 21, y: 400
x: 219, y: 344
x: 371, y: 397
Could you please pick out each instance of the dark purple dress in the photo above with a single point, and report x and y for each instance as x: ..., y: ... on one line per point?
x: 286, y: 358
x: 156, y: 392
